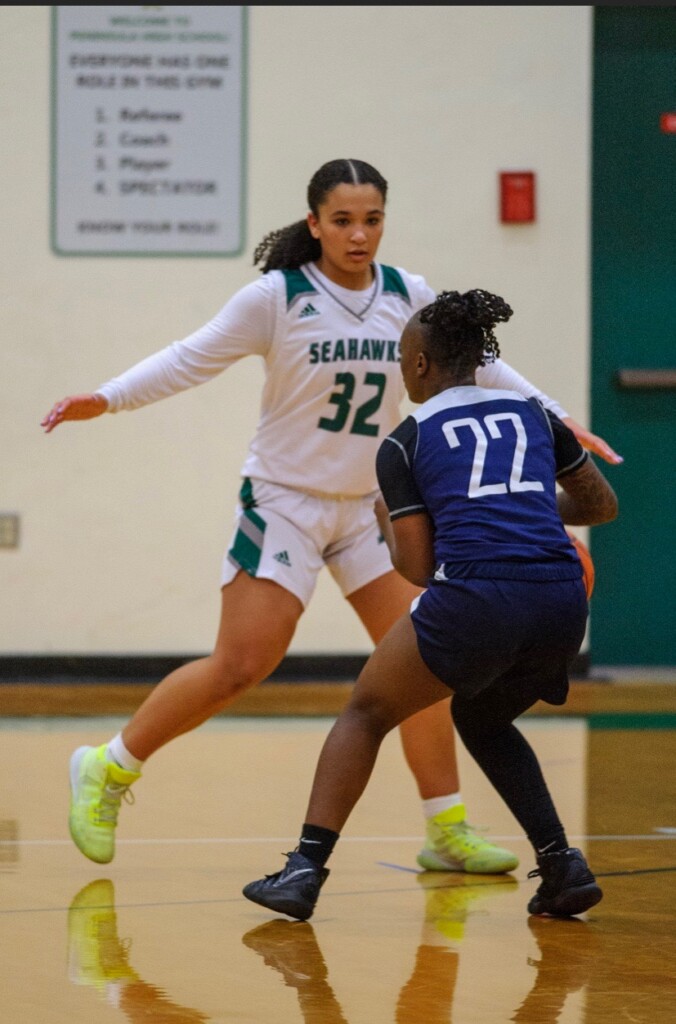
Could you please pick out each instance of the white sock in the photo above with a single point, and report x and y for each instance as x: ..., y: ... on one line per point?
x: 437, y: 804
x: 117, y: 752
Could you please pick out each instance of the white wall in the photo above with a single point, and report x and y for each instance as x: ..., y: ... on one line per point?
x: 124, y: 519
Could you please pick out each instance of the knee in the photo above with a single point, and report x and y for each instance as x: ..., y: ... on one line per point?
x: 372, y: 716
x: 481, y: 726
x: 469, y: 720
x: 235, y: 672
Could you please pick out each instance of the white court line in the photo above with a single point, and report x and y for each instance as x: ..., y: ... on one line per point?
x: 661, y: 837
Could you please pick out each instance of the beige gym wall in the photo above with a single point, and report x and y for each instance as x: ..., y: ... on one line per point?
x: 124, y: 519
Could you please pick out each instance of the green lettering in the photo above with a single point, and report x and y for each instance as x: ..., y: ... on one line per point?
x: 341, y: 399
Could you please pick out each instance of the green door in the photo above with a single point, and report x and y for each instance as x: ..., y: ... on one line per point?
x: 633, y: 611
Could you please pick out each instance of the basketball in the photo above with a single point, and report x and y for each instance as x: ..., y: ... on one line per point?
x: 587, y: 564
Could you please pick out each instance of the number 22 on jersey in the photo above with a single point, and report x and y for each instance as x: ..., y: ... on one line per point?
x: 484, y: 433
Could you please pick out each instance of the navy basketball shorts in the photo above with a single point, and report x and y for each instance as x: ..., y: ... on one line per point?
x: 473, y: 633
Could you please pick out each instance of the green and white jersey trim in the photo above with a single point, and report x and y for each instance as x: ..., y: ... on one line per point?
x: 333, y: 385
x: 298, y: 287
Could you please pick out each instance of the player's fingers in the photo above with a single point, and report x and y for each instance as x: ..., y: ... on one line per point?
x: 54, y: 416
x: 600, y: 447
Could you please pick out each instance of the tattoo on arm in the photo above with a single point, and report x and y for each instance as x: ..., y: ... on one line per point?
x: 587, y: 498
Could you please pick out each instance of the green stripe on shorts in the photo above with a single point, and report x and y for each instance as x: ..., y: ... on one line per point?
x: 246, y: 494
x: 248, y: 544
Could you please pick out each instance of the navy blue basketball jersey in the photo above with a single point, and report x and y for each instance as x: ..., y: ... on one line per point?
x: 483, y: 464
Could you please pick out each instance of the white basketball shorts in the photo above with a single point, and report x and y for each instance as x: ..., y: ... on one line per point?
x: 287, y: 536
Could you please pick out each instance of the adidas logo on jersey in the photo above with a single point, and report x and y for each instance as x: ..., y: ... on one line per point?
x: 283, y: 558
x: 308, y: 310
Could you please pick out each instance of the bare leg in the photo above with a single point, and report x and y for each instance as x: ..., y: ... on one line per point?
x: 428, y: 737
x: 258, y: 619
x: 394, y: 684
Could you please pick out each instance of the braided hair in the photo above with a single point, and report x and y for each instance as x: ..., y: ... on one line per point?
x: 459, y: 328
x: 288, y: 248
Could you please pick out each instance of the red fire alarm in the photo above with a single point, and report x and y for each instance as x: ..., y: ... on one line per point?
x: 668, y: 124
x: 517, y: 197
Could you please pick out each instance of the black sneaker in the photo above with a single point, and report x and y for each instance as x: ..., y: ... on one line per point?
x: 293, y: 891
x: 568, y: 886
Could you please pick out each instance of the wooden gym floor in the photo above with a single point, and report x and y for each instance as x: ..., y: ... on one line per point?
x: 163, y: 936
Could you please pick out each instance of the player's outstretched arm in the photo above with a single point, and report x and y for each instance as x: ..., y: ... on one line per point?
x: 587, y: 499
x: 75, y: 407
x: 500, y: 374
x: 592, y: 442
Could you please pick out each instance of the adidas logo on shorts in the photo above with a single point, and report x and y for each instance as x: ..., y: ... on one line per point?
x: 308, y: 310
x: 283, y: 558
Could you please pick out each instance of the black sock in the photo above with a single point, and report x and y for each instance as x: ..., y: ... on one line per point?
x: 316, y: 843
x: 555, y: 842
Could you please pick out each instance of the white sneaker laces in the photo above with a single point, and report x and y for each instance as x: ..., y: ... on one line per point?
x: 111, y: 799
x: 464, y: 832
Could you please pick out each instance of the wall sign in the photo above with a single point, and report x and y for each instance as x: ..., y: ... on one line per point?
x: 148, y: 130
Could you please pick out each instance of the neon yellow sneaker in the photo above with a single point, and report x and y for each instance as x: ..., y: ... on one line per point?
x: 96, y: 956
x: 97, y: 787
x: 453, y: 845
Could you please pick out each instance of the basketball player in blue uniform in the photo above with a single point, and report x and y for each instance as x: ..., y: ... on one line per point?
x: 470, y: 511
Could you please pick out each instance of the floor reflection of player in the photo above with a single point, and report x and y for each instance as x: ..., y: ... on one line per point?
x: 427, y: 996
x: 293, y: 951
x: 563, y: 967
x: 98, y: 958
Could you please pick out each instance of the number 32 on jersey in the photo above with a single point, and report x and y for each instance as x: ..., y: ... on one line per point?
x: 342, y: 399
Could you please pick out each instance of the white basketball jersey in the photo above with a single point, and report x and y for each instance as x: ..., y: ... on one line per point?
x: 333, y: 385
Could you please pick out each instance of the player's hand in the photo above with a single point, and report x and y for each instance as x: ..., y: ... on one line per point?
x: 77, y: 407
x: 593, y: 443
